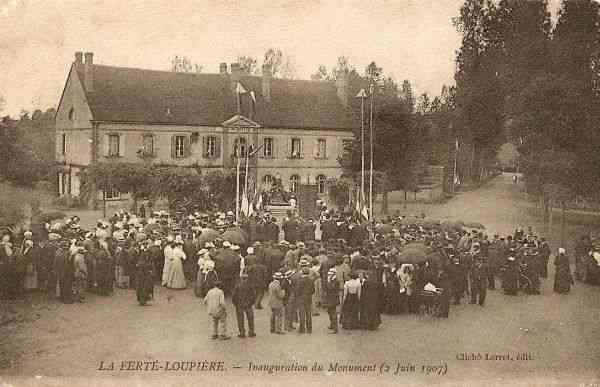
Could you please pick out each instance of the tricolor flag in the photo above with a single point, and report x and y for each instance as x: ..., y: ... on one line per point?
x: 244, y: 204
x: 240, y: 89
x: 456, y: 144
x: 365, y: 212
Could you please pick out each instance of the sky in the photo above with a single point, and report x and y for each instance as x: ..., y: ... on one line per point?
x: 412, y: 40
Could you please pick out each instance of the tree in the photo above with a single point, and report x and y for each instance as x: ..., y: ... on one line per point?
x: 282, y: 66
x: 247, y: 64
x: 183, y: 64
x: 321, y: 75
x: 423, y: 103
x: 408, y: 96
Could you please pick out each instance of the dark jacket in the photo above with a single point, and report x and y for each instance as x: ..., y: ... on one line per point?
x: 332, y: 298
x: 243, y: 295
x: 304, y: 289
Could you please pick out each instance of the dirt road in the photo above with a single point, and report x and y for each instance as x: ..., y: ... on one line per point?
x: 558, y: 337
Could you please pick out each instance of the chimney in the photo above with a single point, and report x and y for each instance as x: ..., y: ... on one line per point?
x: 236, y: 74
x: 88, y: 78
x: 223, y: 68
x: 341, y: 84
x: 266, y: 82
x: 78, y: 57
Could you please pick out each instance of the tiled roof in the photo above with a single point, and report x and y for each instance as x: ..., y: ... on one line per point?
x: 147, y: 96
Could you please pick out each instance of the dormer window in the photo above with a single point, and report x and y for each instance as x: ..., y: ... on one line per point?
x: 71, y: 114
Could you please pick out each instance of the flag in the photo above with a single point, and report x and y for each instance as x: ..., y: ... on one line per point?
x: 365, y: 212
x: 244, y: 206
x: 361, y: 94
x: 456, y: 144
x: 259, y: 202
x: 239, y: 89
x: 253, y: 96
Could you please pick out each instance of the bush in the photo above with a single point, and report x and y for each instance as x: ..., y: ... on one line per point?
x: 47, y: 217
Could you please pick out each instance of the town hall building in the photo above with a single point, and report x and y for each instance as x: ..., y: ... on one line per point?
x: 117, y: 114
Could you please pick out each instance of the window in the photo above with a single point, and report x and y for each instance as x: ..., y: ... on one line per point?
x: 268, y: 180
x: 179, y: 146
x: 211, y: 146
x: 321, y: 182
x: 113, y: 145
x: 71, y: 114
x: 294, y: 183
x: 111, y: 193
x: 321, y: 148
x: 148, y: 145
x: 296, y: 148
x: 239, y: 147
x: 268, y: 147
x: 64, y: 144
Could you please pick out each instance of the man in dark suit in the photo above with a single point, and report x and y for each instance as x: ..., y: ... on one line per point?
x: 479, y: 280
x: 243, y: 298
x: 331, y: 298
x: 304, y: 289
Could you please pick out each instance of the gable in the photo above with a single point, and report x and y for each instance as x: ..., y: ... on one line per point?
x: 239, y: 120
x: 73, y: 97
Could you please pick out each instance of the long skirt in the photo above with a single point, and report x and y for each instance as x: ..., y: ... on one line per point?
x: 122, y: 279
x: 350, y: 311
x: 562, y: 280
x: 392, y: 300
x: 175, y: 276
x: 30, y: 282
x: 145, y: 287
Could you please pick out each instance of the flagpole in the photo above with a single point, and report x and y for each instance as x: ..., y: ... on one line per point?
x: 362, y: 149
x: 455, y: 165
x: 237, y: 191
x: 372, y: 89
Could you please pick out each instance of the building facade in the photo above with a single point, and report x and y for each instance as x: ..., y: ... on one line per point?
x: 113, y: 114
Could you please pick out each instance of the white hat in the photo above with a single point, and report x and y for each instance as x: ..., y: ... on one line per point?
x: 53, y: 236
x: 202, y: 251
x: 230, y: 213
x: 209, y: 244
x: 561, y: 250
x: 250, y: 250
x: 226, y: 244
x: 157, y: 242
x: 235, y: 247
x: 27, y: 234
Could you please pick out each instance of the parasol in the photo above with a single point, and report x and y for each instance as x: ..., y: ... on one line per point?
x: 385, y: 229
x: 476, y: 225
x: 207, y: 235
x: 235, y: 236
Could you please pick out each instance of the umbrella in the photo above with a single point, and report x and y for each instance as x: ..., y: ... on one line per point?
x: 413, y: 255
x: 431, y: 223
x: 385, y: 229
x: 235, y: 236
x: 449, y: 225
x: 207, y: 235
x: 476, y: 225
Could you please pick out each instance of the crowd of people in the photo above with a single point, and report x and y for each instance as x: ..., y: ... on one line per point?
x: 353, y: 271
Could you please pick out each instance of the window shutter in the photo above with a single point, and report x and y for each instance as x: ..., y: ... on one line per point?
x: 173, y: 154
x: 105, y: 145
x: 204, y: 147
x: 289, y: 148
x: 316, y: 154
x: 273, y: 147
x: 187, y: 148
x: 301, y: 149
x: 65, y: 138
x: 122, y: 145
x: 217, y: 146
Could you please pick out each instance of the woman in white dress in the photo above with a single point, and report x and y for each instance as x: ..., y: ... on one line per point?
x: 168, y: 254
x: 175, y: 274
